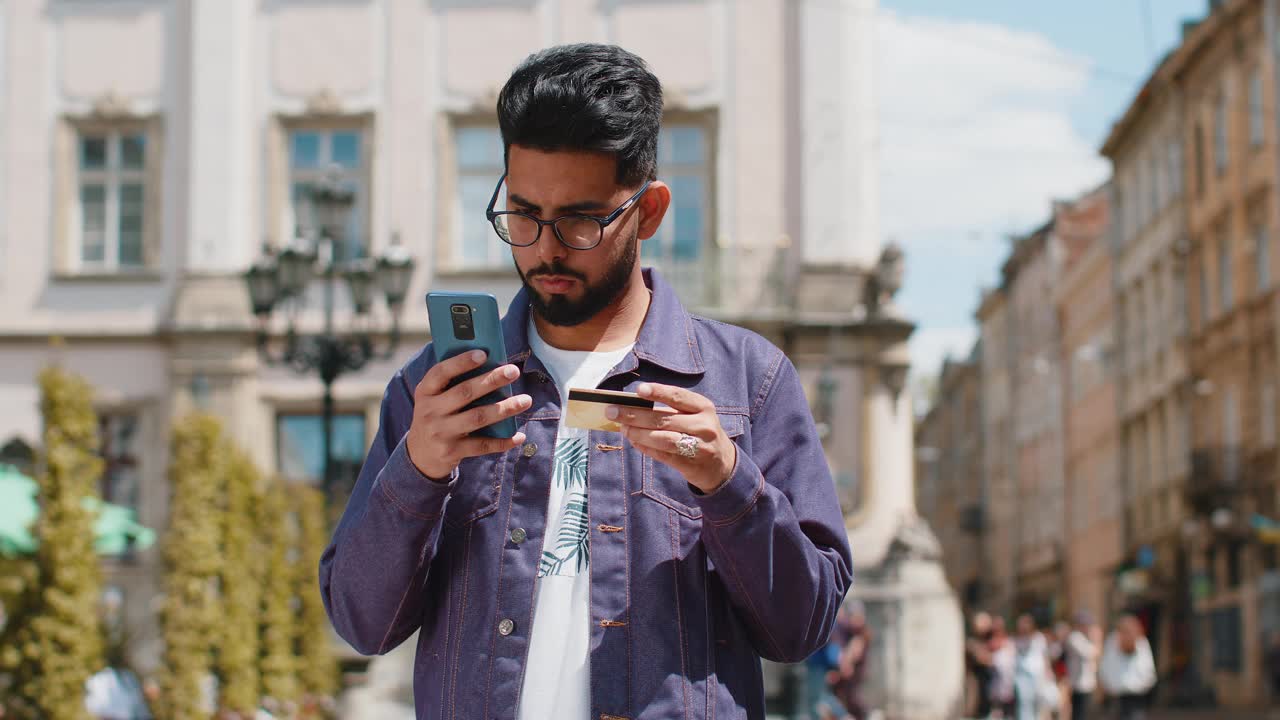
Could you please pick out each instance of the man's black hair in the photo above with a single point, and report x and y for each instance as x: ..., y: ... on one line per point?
x: 588, y: 97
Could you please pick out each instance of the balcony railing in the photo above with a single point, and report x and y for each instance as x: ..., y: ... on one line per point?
x: 1220, y: 477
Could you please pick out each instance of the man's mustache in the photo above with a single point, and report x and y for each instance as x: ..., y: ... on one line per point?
x: 555, y: 270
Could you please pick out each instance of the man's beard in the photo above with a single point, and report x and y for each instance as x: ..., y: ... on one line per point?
x: 560, y: 310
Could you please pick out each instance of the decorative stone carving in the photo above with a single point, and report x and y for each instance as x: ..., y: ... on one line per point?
x: 110, y: 105
x: 324, y: 102
x: 884, y: 283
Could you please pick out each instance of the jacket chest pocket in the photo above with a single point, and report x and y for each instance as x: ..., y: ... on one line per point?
x: 477, y: 491
x: 664, y: 484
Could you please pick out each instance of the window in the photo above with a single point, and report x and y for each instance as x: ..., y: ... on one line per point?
x: 1199, y: 159
x: 1267, y: 425
x: 300, y: 450
x: 1220, y: 134
x: 478, y: 150
x: 684, y: 161
x: 1204, y: 291
x: 316, y: 155
x: 300, y: 445
x: 1175, y: 168
x: 1224, y: 274
x: 118, y: 434
x: 1230, y: 436
x: 111, y: 199
x: 1255, y: 109
x: 1157, y: 187
x: 1262, y: 256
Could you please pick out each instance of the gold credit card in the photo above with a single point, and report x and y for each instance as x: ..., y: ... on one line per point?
x: 586, y: 408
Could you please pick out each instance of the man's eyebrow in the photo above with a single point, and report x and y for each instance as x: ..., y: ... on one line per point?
x: 585, y: 206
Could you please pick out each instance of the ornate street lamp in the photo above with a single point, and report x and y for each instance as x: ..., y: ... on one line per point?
x: 281, y: 279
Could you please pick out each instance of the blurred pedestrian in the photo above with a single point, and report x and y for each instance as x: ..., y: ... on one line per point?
x: 977, y: 658
x: 846, y: 680
x: 820, y: 702
x: 1128, y: 669
x: 1084, y: 645
x: 1003, y: 660
x: 1031, y: 669
x: 114, y: 692
x: 1058, y: 662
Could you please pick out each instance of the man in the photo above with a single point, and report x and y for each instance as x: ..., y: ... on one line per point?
x: 1128, y: 670
x: 846, y: 679
x: 977, y: 656
x: 574, y: 574
x: 1084, y: 645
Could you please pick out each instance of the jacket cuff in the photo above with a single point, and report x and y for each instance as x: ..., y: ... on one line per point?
x: 735, y: 498
x: 414, y: 493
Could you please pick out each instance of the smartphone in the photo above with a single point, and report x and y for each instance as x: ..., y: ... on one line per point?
x: 462, y: 322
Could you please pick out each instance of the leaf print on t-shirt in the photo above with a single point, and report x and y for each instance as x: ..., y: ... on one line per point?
x: 570, y: 469
x: 572, y: 542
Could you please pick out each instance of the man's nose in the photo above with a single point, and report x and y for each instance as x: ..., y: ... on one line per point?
x: 550, y: 249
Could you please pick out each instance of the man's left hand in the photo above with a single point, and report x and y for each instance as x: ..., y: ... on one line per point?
x: 658, y: 433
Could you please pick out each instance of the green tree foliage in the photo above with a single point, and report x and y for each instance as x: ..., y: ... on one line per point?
x: 238, y: 641
x: 52, y: 643
x: 193, y: 565
x: 279, y: 666
x: 319, y: 672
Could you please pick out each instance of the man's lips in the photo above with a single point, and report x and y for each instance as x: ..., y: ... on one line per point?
x: 555, y: 283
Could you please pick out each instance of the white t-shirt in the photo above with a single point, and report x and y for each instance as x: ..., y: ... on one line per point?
x: 557, y: 680
x: 1082, y: 662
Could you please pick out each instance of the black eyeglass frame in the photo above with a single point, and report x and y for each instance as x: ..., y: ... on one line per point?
x: 603, y: 222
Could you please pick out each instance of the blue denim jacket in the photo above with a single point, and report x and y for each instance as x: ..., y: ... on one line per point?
x: 688, y: 591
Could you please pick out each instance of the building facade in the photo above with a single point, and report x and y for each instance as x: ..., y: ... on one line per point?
x: 949, y: 478
x: 151, y: 148
x: 1094, y: 506
x: 1001, y: 509
x: 1031, y: 275
x: 1226, y: 74
x: 1149, y: 243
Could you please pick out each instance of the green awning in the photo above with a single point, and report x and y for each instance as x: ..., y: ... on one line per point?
x: 115, y: 529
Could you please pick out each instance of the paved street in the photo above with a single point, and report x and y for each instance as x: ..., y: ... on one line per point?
x: 1220, y: 714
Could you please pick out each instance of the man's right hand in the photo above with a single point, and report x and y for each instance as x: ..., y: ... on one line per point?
x: 439, y: 437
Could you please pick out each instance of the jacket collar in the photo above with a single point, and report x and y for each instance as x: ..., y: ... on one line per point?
x: 666, y: 338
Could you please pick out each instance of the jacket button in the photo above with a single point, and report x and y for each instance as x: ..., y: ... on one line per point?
x: 506, y: 627
x: 518, y: 535
x: 529, y: 449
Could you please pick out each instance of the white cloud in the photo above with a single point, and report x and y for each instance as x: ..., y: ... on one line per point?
x: 931, y: 345
x: 976, y: 140
x: 976, y: 134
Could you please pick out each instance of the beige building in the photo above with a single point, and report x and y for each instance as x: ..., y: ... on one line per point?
x: 1149, y: 241
x: 1094, y: 506
x: 998, y: 471
x: 150, y: 149
x: 1226, y: 75
x: 1031, y: 275
x: 949, y: 478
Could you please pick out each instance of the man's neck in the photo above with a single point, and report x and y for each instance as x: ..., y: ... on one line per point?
x: 616, y: 326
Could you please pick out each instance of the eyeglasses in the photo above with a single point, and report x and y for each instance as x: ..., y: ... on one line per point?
x: 577, y: 232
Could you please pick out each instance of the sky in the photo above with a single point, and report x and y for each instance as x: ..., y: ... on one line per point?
x: 990, y: 109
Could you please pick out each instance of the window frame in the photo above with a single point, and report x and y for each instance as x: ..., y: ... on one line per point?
x: 498, y: 257
x: 111, y: 459
x: 1255, y: 110
x: 1226, y: 280
x: 362, y: 175
x: 69, y: 256
x: 1221, y: 134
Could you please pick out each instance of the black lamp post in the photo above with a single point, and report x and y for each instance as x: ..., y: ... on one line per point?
x: 281, y: 280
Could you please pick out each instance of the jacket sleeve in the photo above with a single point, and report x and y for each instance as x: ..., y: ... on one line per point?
x: 775, y: 530
x: 372, y: 572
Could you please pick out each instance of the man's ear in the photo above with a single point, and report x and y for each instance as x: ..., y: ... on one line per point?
x: 652, y: 208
